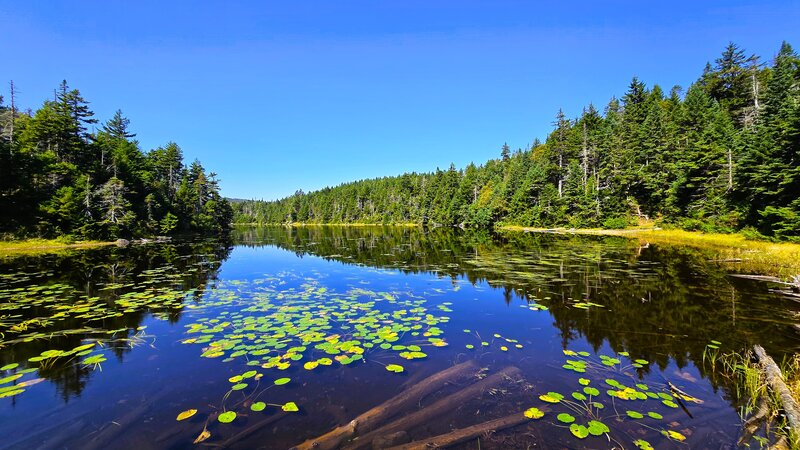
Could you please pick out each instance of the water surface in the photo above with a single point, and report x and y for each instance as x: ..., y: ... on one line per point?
x: 112, y: 344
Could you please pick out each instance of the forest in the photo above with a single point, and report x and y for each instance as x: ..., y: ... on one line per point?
x: 722, y: 155
x: 64, y: 175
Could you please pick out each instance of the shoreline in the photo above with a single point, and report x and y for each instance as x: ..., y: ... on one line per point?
x: 308, y: 224
x: 32, y: 246
x: 781, y: 259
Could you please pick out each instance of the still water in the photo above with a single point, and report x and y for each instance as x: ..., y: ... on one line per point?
x: 280, y: 335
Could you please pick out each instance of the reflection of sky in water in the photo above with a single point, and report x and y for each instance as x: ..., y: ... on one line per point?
x: 660, y: 305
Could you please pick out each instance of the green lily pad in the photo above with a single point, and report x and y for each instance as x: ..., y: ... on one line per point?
x: 258, y: 406
x: 597, y: 428
x: 565, y: 418
x: 578, y: 396
x: 551, y: 397
x: 579, y: 431
x: 594, y: 392
x: 395, y: 368
x: 227, y: 417
x: 281, y: 381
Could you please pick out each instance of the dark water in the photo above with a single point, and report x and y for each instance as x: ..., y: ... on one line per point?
x: 122, y: 340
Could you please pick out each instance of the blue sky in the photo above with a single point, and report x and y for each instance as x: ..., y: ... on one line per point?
x: 280, y: 96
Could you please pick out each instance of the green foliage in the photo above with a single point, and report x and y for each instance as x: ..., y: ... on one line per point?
x: 614, y: 223
x: 57, y: 178
x: 722, y: 158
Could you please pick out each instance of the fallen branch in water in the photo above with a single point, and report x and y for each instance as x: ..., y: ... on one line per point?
x: 752, y: 424
x: 776, y: 383
x: 374, y: 417
x: 465, y: 434
x: 252, y: 429
x: 432, y: 412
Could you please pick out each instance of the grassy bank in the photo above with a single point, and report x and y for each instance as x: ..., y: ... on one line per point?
x: 32, y: 246
x: 780, y: 259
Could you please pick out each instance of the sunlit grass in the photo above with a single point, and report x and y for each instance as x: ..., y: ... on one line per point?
x: 29, y: 246
x: 781, y: 259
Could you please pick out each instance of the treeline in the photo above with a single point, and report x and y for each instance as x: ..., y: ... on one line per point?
x: 58, y: 178
x: 723, y: 155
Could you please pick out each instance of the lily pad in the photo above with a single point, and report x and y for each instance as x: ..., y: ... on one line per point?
x: 594, y: 392
x: 258, y: 406
x: 227, y: 417
x: 290, y: 407
x: 597, y: 428
x: 565, y: 418
x: 579, y: 431
x: 281, y: 381
x: 395, y: 368
x: 186, y: 414
x: 534, y: 413
x: 551, y: 397
x: 674, y: 435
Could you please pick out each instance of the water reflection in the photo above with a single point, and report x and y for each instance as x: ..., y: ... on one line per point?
x: 56, y: 302
x: 658, y: 303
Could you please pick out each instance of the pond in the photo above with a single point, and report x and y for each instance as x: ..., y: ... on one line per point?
x: 281, y: 335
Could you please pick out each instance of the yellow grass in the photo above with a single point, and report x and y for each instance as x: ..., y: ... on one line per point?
x: 29, y: 246
x: 781, y: 259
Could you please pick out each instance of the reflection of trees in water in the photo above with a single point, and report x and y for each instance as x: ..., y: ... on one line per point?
x: 661, y: 304
x: 185, y: 267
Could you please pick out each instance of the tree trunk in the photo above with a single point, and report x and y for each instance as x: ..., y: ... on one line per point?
x: 775, y: 380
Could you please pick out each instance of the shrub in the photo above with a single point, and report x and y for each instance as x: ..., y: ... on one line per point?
x: 615, y: 223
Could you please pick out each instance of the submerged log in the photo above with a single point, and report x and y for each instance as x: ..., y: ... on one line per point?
x: 258, y: 426
x: 776, y: 383
x: 433, y: 411
x: 374, y: 417
x: 752, y: 424
x: 465, y: 434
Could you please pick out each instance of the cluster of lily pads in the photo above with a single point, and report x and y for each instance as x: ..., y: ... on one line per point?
x: 268, y: 324
x: 618, y: 398
x: 34, y: 309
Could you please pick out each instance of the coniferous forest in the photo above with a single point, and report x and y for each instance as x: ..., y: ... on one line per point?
x: 720, y: 155
x: 62, y: 173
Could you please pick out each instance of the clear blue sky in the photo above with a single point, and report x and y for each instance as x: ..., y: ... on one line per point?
x: 280, y: 96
